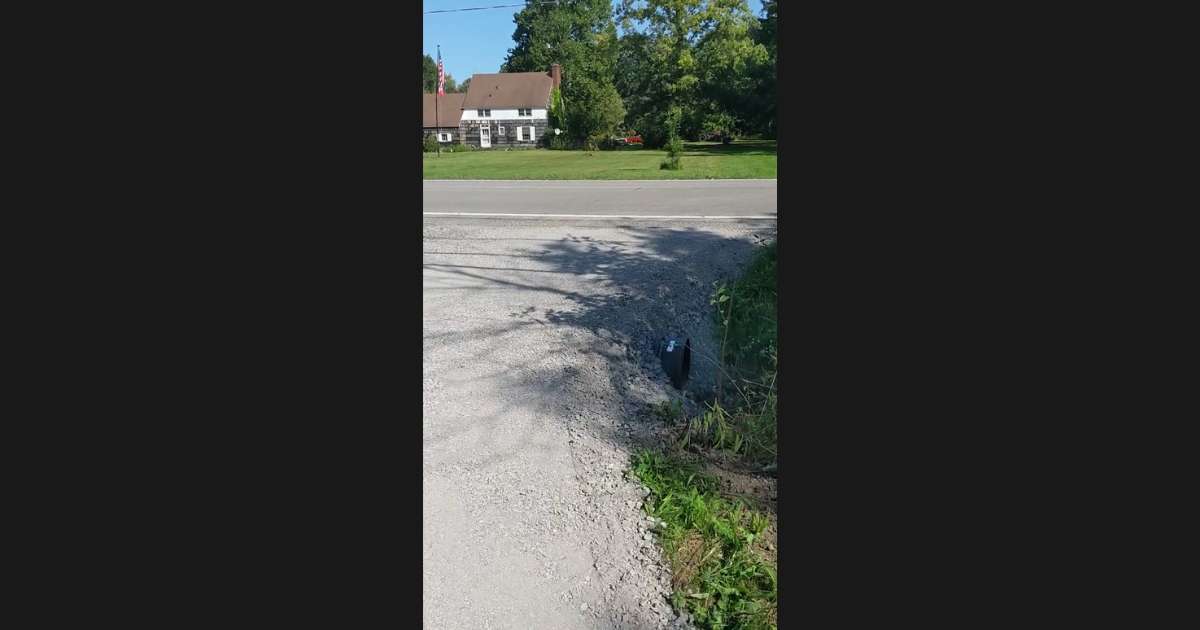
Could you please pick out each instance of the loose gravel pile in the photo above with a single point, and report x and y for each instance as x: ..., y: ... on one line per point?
x: 539, y: 367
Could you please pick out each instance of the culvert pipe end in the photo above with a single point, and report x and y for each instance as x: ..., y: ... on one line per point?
x: 676, y: 360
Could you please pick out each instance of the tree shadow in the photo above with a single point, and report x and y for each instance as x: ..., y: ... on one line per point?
x: 739, y: 147
x: 624, y: 288
x: 562, y: 332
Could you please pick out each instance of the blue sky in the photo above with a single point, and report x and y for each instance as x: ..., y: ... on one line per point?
x: 477, y: 41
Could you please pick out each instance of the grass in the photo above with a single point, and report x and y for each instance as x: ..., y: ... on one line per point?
x: 748, y: 159
x: 723, y: 563
x: 668, y: 411
x: 743, y: 418
x: 723, y: 567
x: 746, y: 313
x: 722, y: 574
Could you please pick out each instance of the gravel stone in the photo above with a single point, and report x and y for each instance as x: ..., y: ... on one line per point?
x: 538, y: 349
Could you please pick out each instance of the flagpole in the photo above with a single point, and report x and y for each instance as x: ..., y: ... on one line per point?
x: 438, y: 88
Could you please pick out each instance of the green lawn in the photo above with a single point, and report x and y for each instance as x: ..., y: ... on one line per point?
x: 744, y: 159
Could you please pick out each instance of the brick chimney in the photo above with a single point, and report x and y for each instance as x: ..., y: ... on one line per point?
x: 556, y: 74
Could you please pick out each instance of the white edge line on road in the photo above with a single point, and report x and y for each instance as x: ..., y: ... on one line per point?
x: 595, y: 216
x: 622, y: 181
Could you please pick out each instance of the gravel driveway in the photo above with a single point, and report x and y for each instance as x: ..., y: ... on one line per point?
x: 537, y: 366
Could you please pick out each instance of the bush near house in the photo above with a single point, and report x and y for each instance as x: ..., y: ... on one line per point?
x: 556, y: 143
x: 429, y: 144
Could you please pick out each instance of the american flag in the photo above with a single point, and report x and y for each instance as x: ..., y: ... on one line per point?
x: 441, y: 76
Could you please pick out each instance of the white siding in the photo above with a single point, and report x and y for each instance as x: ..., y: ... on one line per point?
x: 504, y: 114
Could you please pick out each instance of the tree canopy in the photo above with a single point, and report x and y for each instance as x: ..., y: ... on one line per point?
x: 580, y: 36
x: 694, y: 67
x: 688, y: 68
x: 428, y: 74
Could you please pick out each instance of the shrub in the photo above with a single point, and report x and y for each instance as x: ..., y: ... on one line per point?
x: 554, y: 115
x: 674, y: 153
x: 429, y: 144
x: 556, y: 143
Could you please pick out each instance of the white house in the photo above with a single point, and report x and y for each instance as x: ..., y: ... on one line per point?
x: 507, y: 109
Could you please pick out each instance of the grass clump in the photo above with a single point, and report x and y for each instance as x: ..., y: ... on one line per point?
x: 748, y: 430
x: 746, y: 315
x: 743, y: 418
x: 719, y: 573
x: 667, y: 411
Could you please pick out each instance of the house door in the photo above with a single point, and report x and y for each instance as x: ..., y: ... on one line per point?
x: 485, y: 137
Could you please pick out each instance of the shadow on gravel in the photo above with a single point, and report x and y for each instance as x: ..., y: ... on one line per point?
x: 632, y: 290
x: 612, y: 298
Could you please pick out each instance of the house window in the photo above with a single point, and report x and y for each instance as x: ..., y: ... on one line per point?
x: 484, y: 113
x: 500, y: 131
x: 530, y: 133
x: 524, y: 112
x: 443, y: 137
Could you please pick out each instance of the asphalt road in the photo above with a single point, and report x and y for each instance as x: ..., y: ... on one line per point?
x: 537, y: 372
x: 692, y: 198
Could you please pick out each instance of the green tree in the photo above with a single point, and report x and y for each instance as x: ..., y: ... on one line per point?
x: 465, y: 85
x: 765, y: 34
x: 693, y: 66
x: 641, y: 81
x: 768, y: 26
x: 428, y: 74
x: 671, y: 26
x: 580, y: 36
x: 599, y: 119
x: 732, y: 67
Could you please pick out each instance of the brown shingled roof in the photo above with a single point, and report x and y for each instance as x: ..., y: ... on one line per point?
x: 509, y: 90
x: 449, y: 109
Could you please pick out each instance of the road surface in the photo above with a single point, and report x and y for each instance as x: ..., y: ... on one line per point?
x: 537, y: 369
x: 736, y: 198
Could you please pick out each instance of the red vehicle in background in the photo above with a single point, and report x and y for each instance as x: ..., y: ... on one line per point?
x: 630, y: 138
